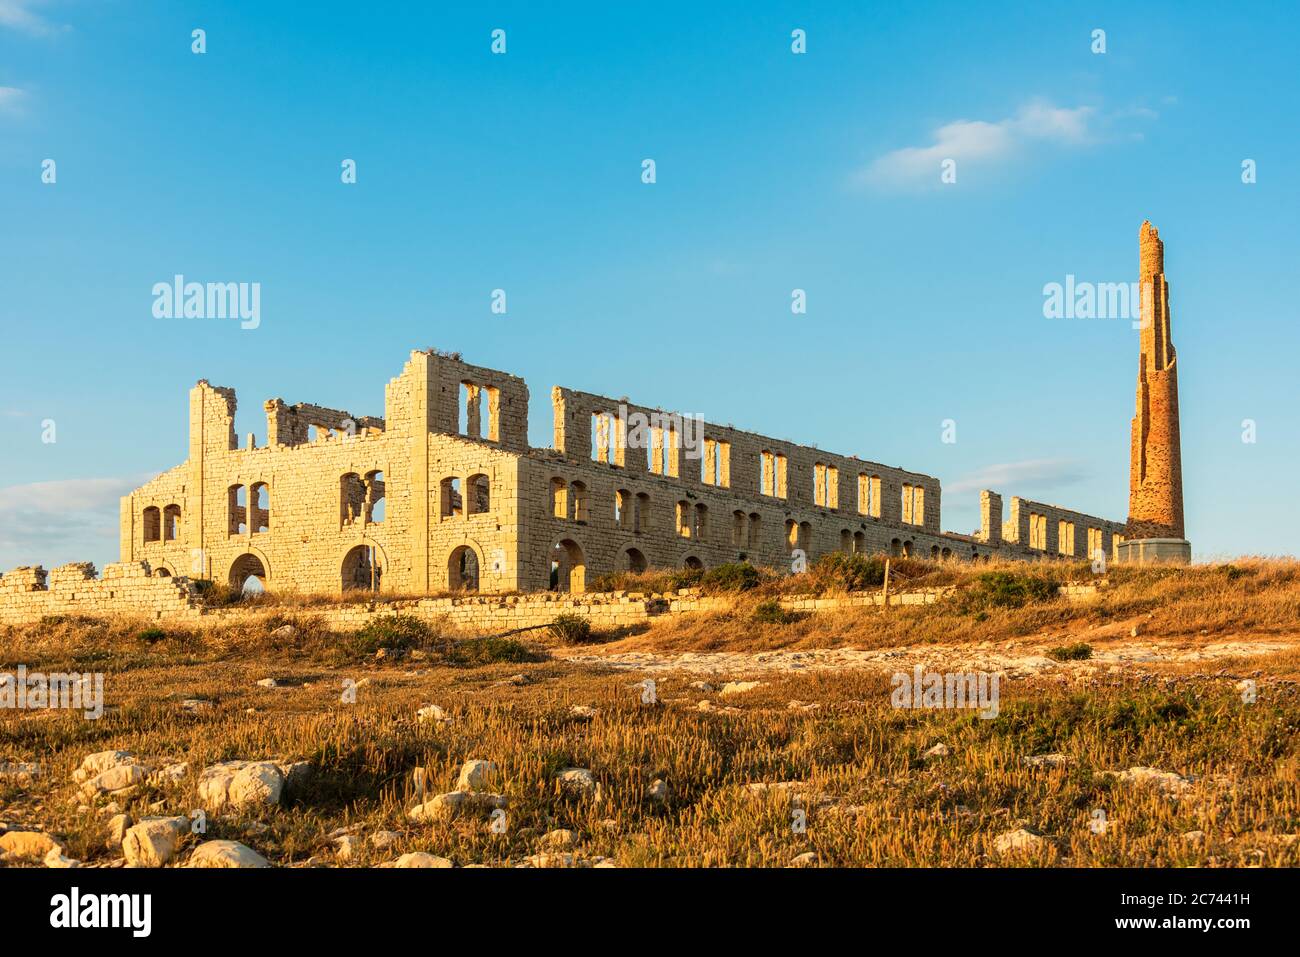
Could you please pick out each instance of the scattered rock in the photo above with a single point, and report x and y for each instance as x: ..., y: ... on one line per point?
x: 583, y: 711
x: 1196, y: 838
x: 940, y: 750
x: 346, y: 847
x: 796, y: 705
x: 455, y: 803
x: 577, y: 781
x: 26, y: 845
x: 226, y: 854
x: 117, y: 780
x: 56, y: 859
x: 702, y: 686
x: 419, y: 859
x: 195, y: 705
x: 153, y: 842
x: 118, y: 825
x: 739, y: 687
x: 474, y: 775
x: 1167, y: 782
x: 549, y: 860
x: 560, y: 838
x: 241, y: 784
x: 383, y: 840
x: 96, y: 764
x: 432, y: 713
x: 658, y: 791
x: 1019, y: 840
x: 270, y: 683
x: 171, y: 775
x: 806, y: 859
x: 285, y: 632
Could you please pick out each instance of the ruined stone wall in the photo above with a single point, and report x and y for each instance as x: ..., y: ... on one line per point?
x: 1019, y: 540
x: 29, y: 594
x: 443, y: 493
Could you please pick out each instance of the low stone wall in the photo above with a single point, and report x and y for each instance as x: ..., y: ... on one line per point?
x: 29, y: 594
x: 129, y: 589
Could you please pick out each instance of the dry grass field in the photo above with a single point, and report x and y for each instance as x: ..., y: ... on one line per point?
x: 1188, y: 675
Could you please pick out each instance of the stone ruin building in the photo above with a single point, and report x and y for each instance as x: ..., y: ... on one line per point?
x: 444, y: 492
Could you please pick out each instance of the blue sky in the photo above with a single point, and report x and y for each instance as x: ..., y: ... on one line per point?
x: 775, y: 171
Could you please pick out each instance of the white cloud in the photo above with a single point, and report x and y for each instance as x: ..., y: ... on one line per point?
x: 1041, y: 475
x: 10, y: 99
x: 19, y: 15
x: 977, y: 142
x: 50, y: 523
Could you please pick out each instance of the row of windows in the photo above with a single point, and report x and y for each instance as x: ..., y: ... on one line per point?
x: 162, y: 525
x: 1065, y: 536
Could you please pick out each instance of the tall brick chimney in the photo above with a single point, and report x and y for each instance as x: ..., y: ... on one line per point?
x: 1155, y: 508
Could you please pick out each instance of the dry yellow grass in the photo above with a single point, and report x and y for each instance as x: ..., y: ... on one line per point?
x: 869, y: 794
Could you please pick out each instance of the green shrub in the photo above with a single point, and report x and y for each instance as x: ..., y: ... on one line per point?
x: 570, y: 629
x: 399, y: 632
x: 151, y: 635
x: 1079, y: 651
x: 1010, y: 590
x: 770, y: 612
x: 732, y: 576
x: 490, y: 650
x: 840, y: 570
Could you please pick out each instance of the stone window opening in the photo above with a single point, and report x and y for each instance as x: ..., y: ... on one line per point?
x: 559, y: 498
x: 738, y: 529
x: 1095, y: 543
x: 237, y: 509
x: 869, y: 495
x: 826, y: 482
x: 684, y: 519
x: 451, y: 502
x: 700, y: 531
x: 634, y: 561
x: 260, y: 500
x: 859, y: 543
x: 717, y: 463
x: 641, y: 520
x: 376, y: 497
x: 479, y: 499
x: 352, y: 498
x: 1037, y: 531
x: 578, y: 492
x: 773, y: 474
x: 171, y: 527
x: 1065, y: 537
x: 846, y: 541
x: 247, y: 574
x: 623, y: 508
x: 913, y: 501
x: 568, y: 569
x: 152, y: 524
x: 479, y: 411
x: 755, y: 530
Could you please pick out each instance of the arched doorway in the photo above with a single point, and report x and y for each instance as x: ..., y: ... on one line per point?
x: 633, y: 560
x: 248, y: 574
x: 693, y: 564
x: 568, y: 570
x: 463, y: 569
x: 362, y: 569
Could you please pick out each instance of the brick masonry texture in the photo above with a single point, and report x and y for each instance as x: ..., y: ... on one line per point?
x: 1155, y: 478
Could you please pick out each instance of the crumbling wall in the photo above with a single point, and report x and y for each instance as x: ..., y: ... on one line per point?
x: 129, y: 588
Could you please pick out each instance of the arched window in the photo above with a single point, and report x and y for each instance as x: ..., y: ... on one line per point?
x: 701, y: 523
x: 859, y: 543
x: 684, y: 518
x: 642, y: 522
x: 479, y: 500
x: 352, y: 498
x: 152, y: 524
x: 755, y: 530
x: 623, y: 508
x: 579, y: 495
x: 260, y: 499
x: 869, y: 495
x: 738, y: 529
x: 361, y: 569
x: 559, y: 498
x: 451, y: 502
x: 171, y: 523
x: 846, y: 541
x: 247, y: 573
x: 237, y: 509
x: 633, y: 561
x: 791, y: 534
